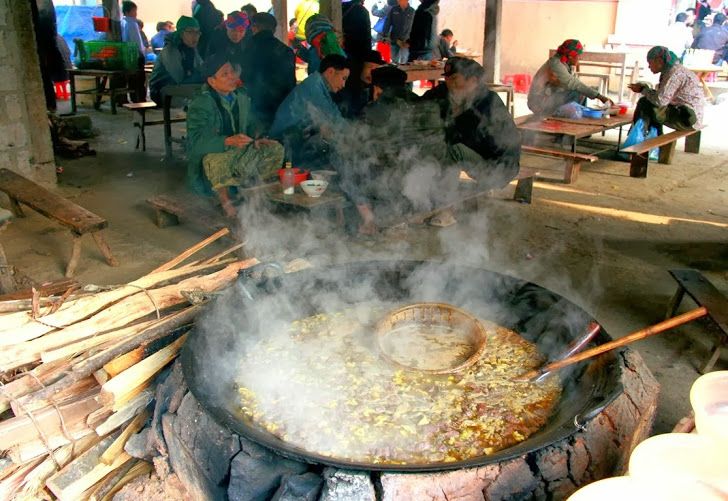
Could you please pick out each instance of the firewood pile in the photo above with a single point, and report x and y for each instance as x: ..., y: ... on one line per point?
x: 78, y: 374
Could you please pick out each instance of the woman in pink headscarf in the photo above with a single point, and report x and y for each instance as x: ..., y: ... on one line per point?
x: 556, y: 84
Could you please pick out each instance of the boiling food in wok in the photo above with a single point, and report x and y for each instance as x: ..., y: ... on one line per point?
x: 322, y: 387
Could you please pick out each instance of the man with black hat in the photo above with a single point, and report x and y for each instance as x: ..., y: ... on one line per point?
x: 355, y: 95
x: 408, y: 164
x: 481, y: 135
x: 308, y: 118
x: 268, y: 68
x: 223, y: 148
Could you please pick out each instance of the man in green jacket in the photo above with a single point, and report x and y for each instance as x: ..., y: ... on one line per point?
x: 223, y: 147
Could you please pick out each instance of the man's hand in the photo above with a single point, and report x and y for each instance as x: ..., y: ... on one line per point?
x: 605, y: 100
x: 454, y: 43
x: 238, y: 141
x: 636, y: 87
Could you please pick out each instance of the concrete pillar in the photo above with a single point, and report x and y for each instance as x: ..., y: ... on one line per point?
x: 25, y: 140
x: 491, y: 44
x: 280, y: 7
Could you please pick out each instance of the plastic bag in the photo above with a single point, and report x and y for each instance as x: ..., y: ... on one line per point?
x: 636, y: 135
x: 569, y: 110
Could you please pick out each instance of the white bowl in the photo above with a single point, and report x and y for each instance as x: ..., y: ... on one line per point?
x: 314, y: 187
x: 324, y: 175
x: 709, y: 398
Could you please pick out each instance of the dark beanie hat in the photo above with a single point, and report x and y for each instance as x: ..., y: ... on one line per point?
x: 213, y: 63
x: 466, y: 67
x: 388, y: 76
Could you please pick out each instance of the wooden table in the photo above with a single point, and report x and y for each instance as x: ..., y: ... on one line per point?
x: 421, y: 72
x: 576, y: 128
x: 101, y: 77
x: 703, y: 71
x: 168, y: 93
x: 331, y: 199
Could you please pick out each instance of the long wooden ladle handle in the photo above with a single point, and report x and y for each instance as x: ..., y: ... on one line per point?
x: 618, y: 343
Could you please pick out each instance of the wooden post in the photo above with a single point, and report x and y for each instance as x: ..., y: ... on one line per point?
x: 75, y: 255
x: 491, y: 43
x: 692, y: 143
x: 638, y: 164
x: 332, y: 10
x: 280, y: 8
x: 667, y: 153
x: 112, y: 10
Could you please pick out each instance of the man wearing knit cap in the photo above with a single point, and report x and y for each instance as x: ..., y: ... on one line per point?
x: 268, y: 68
x: 355, y: 95
x: 223, y: 145
x: 405, y: 170
x: 179, y: 62
x: 230, y: 38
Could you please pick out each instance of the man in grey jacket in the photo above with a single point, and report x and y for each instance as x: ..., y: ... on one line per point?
x: 397, y: 29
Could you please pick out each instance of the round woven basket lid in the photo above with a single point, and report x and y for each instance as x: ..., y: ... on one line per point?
x: 429, y: 315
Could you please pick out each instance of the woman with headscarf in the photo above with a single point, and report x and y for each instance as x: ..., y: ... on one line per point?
x: 322, y: 41
x: 556, y: 84
x: 179, y: 62
x: 678, y: 99
x: 230, y: 38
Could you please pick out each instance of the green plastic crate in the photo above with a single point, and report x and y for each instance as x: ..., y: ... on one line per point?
x: 103, y: 55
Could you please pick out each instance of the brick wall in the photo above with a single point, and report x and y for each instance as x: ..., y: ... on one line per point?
x: 25, y: 142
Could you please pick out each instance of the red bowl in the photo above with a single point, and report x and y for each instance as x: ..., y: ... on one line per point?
x: 623, y: 108
x: 299, y: 175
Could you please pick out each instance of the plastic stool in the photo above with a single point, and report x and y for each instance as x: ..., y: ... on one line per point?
x: 521, y: 82
x: 62, y: 92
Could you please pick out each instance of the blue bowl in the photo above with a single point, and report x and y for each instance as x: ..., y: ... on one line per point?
x: 589, y: 113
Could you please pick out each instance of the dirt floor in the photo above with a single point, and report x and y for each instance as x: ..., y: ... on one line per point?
x: 604, y: 242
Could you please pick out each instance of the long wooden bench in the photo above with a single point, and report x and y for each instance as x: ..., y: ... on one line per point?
x: 704, y: 293
x: 640, y: 153
x: 79, y: 220
x: 141, y: 121
x: 572, y: 161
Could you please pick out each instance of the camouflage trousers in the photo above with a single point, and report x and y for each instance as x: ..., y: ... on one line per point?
x: 243, y: 166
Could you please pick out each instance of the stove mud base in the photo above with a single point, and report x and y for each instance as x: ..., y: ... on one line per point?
x: 197, y: 459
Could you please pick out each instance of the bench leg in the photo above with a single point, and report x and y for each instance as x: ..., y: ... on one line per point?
x: 104, y: 248
x: 674, y: 303
x: 571, y: 171
x: 692, y: 143
x: 667, y: 153
x: 15, y: 207
x: 75, y: 255
x: 524, y: 190
x: 717, y: 349
x: 165, y: 219
x: 638, y: 165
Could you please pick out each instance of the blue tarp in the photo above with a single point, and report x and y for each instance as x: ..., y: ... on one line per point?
x: 74, y: 21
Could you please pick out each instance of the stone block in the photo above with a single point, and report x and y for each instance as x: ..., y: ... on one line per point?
x: 515, y: 481
x: 256, y: 473
x: 304, y: 487
x: 13, y: 109
x: 345, y: 485
x: 463, y: 485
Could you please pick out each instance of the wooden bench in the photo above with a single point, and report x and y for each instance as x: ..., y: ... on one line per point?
x: 704, y: 293
x: 572, y: 161
x: 79, y: 220
x: 141, y: 122
x: 640, y: 153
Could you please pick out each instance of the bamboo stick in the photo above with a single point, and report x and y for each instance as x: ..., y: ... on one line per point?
x: 618, y: 343
x: 117, y: 445
x: 122, y: 313
x: 34, y: 482
x: 192, y: 250
x: 89, y: 365
x: 21, y: 327
x: 122, y: 363
x: 118, y: 387
x: 86, y: 344
x: 224, y: 253
x: 137, y: 470
x: 130, y: 410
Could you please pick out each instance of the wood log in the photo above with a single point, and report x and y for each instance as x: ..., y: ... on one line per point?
x: 10, y: 484
x: 20, y: 327
x: 35, y: 481
x: 101, y: 376
x: 22, y: 429
x: 45, y: 290
x: 28, y: 451
x: 117, y: 388
x: 83, y: 472
x: 33, y: 380
x: 192, y: 250
x: 137, y: 470
x: 117, y: 446
x: 89, y: 365
x: 86, y: 344
x: 109, y: 481
x: 23, y: 405
x: 131, y: 409
x: 120, y: 314
x: 122, y: 363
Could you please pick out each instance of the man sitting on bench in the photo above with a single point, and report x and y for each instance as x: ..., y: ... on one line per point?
x: 482, y: 138
x: 223, y: 149
x: 678, y: 100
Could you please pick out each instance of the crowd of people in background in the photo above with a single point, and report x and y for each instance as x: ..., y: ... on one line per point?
x: 700, y: 28
x: 250, y: 115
